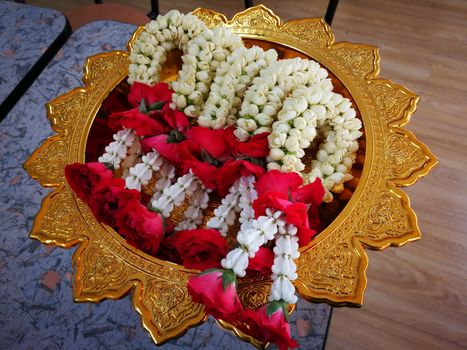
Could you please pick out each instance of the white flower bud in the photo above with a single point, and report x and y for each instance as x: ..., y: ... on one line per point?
x: 263, y: 119
x: 292, y: 144
x: 180, y: 101
x: 162, y: 21
x: 274, y: 166
x: 327, y: 169
x: 322, y: 156
x: 295, y: 133
x: 281, y: 127
x: 309, y: 133
x: 286, y: 115
x: 261, y: 130
x: 250, y: 125
x: 204, y: 121
x: 253, y: 110
x: 300, y: 123
x: 276, y: 154
x: 269, y: 109
x: 241, y: 134
x: 276, y: 139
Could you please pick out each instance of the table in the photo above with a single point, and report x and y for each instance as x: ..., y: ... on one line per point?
x: 29, y: 38
x: 36, y: 307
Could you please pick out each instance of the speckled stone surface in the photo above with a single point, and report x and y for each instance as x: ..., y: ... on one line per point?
x: 25, y: 34
x: 36, y: 306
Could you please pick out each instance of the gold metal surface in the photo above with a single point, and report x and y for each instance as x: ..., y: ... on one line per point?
x: 331, y: 269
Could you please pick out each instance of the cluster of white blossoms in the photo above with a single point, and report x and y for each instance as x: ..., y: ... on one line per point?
x: 202, y: 57
x: 165, y: 178
x: 252, y: 235
x: 284, y: 270
x: 140, y: 174
x: 231, y: 80
x: 263, y: 99
x: 340, y: 130
x: 174, y: 195
x: 225, y: 214
x: 117, y: 150
x: 248, y: 195
x: 167, y: 32
x: 224, y: 83
x: 193, y: 215
x: 295, y: 129
x: 239, y: 199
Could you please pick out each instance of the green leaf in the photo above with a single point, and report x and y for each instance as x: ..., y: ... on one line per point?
x: 272, y: 307
x: 156, y: 106
x: 205, y: 272
x: 276, y: 305
x: 108, y: 165
x: 175, y: 136
x: 142, y: 106
x: 228, y: 277
x: 206, y: 157
x: 154, y: 209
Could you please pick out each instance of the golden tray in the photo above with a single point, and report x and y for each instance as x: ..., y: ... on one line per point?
x: 330, y: 269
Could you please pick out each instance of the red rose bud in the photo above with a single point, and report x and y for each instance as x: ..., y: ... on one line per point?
x: 84, y: 178
x: 216, y: 290
x: 200, y: 248
x: 142, y: 228
x: 269, y: 324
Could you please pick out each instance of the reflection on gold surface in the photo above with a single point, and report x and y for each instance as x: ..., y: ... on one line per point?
x: 370, y: 211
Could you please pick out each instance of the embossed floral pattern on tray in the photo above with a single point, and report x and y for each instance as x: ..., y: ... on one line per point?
x: 332, y: 268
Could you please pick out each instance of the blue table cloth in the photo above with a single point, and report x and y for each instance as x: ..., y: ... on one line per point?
x: 29, y: 37
x: 36, y: 306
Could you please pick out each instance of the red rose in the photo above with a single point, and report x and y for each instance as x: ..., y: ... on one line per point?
x: 99, y: 137
x: 115, y: 102
x: 151, y: 94
x: 212, y: 141
x: 170, y: 151
x: 141, y: 227
x: 269, y: 324
x: 174, y: 118
x: 216, y: 290
x: 168, y: 251
x: 200, y: 248
x: 233, y: 170
x: 142, y: 124
x: 276, y: 181
x: 312, y: 194
x: 109, y: 198
x: 283, y: 191
x: 191, y: 157
x: 295, y: 213
x: 262, y: 262
x: 255, y: 147
x: 83, y: 178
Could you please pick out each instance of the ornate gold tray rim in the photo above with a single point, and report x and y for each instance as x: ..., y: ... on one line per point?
x: 356, y: 65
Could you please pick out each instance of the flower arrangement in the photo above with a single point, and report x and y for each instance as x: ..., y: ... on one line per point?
x: 235, y: 125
